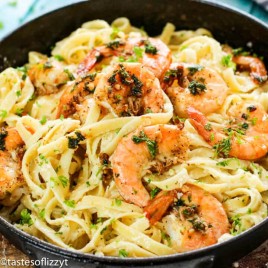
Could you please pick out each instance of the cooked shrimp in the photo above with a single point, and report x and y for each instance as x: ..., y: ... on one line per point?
x: 254, y: 65
x: 75, y: 93
x: 197, y: 218
x: 157, y: 147
x: 151, y: 52
x: 130, y: 89
x: 10, y: 161
x: 245, y: 137
x: 48, y: 76
x: 199, y: 87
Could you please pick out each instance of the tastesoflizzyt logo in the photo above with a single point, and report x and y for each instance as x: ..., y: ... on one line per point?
x: 44, y: 262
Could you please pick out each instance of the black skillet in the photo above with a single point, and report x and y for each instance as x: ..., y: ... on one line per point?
x: 227, y: 25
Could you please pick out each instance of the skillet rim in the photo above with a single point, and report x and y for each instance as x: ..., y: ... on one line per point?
x: 207, y: 251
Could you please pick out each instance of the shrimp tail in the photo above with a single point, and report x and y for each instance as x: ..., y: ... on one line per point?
x: 89, y: 62
x: 157, y: 207
x: 254, y: 65
x: 199, y: 121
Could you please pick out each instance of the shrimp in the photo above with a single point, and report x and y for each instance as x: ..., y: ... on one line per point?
x: 254, y: 65
x: 197, y: 219
x: 157, y: 147
x: 10, y: 161
x: 75, y: 93
x: 48, y: 76
x: 199, y: 87
x: 151, y: 52
x: 246, y: 136
x: 130, y: 89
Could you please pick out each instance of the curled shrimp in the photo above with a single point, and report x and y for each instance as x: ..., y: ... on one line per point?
x: 151, y: 52
x: 245, y: 136
x: 47, y: 76
x: 197, y: 86
x: 75, y: 93
x: 254, y: 65
x: 197, y: 219
x: 10, y: 161
x: 130, y: 89
x: 157, y: 147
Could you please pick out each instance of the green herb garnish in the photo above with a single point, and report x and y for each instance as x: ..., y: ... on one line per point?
x: 25, y: 217
x: 69, y: 203
x: 70, y: 75
x: 149, y: 48
x: 194, y: 68
x: 122, y: 253
x: 59, y: 58
x: 196, y: 88
x: 151, y: 145
x: 154, y: 192
x: 43, y: 120
x: 226, y: 61
x: 73, y: 142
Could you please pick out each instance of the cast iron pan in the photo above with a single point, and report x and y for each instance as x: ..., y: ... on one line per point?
x: 227, y: 25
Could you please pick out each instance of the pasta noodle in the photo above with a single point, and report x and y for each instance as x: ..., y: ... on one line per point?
x: 69, y: 197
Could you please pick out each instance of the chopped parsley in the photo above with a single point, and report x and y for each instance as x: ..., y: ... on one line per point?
x: 236, y: 225
x: 64, y: 180
x: 70, y: 75
x: 223, y: 147
x: 195, y: 68
x: 138, y: 52
x: 224, y: 163
x: 69, y: 203
x: 148, y: 111
x: 151, y: 145
x: 43, y: 120
x: 73, y: 142
x: 23, y: 69
x: 179, y: 203
x: 189, y: 211
x: 149, y: 48
x: 1, y: 25
x: 3, y: 114
x: 196, y: 88
x: 118, y: 202
x: 43, y: 160
x: 25, y: 217
x: 170, y: 74
x: 136, y: 89
x: 19, y: 112
x: 226, y: 61
x: 198, y: 224
x: 59, y: 58
x: 154, y: 192
x: 114, y: 33
x: 240, y: 51
x: 122, y: 253
x: 244, y: 125
x: 18, y: 93
x: 42, y: 213
x: 254, y: 121
x: 114, y: 44
x: 208, y: 127
x: 166, y: 237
